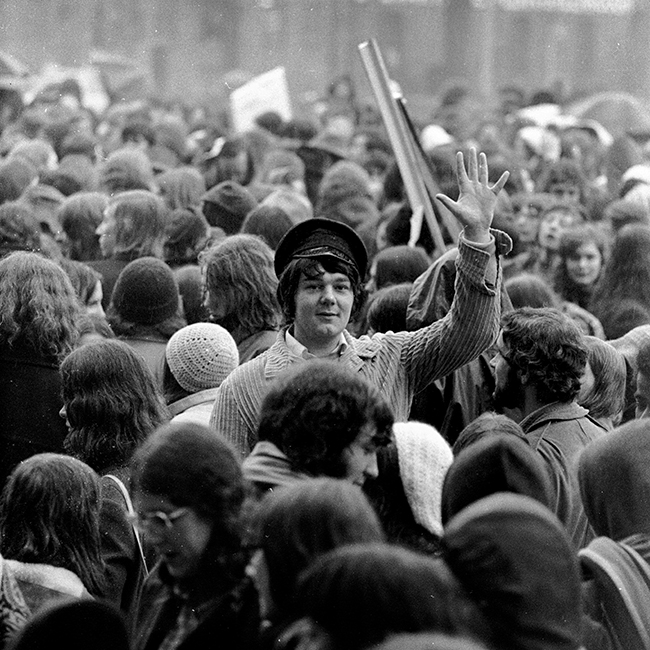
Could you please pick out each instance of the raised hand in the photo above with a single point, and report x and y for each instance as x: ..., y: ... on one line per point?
x: 475, y: 205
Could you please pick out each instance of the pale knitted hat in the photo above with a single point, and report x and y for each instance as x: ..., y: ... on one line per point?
x: 201, y: 356
x: 424, y: 458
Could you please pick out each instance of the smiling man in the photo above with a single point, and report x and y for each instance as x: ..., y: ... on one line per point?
x: 321, y: 267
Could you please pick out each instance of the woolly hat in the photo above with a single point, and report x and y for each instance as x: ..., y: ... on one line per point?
x: 424, y: 458
x: 146, y: 292
x: 201, y: 356
x: 226, y: 205
x: 343, y: 180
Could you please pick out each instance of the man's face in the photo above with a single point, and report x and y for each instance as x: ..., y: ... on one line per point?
x: 323, y: 306
x: 642, y: 396
x: 507, y: 385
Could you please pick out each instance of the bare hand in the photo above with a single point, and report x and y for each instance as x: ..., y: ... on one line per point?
x: 475, y: 206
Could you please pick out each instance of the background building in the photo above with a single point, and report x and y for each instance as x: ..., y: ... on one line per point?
x: 194, y: 50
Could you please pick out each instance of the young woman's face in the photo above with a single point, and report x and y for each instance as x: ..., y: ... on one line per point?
x: 584, y: 264
x: 182, y: 542
x: 94, y: 304
x: 552, y: 225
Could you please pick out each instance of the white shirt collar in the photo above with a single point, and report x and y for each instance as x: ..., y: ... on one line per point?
x: 299, y: 350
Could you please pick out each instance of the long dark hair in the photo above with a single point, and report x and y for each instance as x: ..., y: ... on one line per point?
x: 112, y: 403
x: 49, y: 514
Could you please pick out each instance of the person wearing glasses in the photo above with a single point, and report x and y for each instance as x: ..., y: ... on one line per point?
x: 188, y: 492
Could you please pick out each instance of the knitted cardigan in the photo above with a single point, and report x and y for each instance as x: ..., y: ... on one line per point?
x: 398, y: 363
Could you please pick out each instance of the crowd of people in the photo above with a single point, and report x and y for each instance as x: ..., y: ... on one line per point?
x: 238, y: 406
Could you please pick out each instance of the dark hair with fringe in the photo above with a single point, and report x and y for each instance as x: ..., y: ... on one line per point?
x: 38, y: 305
x: 314, y: 411
x: 49, y: 514
x: 313, y: 267
x: 547, y: 347
x: 360, y: 594
x: 80, y: 215
x: 188, y: 465
x: 112, y: 403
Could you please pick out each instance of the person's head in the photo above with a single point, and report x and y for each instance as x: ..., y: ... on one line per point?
x: 498, y: 463
x: 530, y: 290
x: 554, y: 221
x: 387, y: 308
x: 49, y: 514
x: 583, y: 250
x: 181, y: 187
x: 271, y: 223
x: 395, y: 265
x: 327, y: 420
x: 615, y: 482
x: 111, y: 403
x: 514, y: 557
x: 603, y: 384
x: 133, y: 225
x: 642, y: 391
x: 38, y: 305
x: 486, y: 425
x: 74, y: 624
x: 321, y: 265
x: 541, y: 349
x: 226, y: 205
x: 87, y: 284
x: 146, y: 295
x: 198, y: 357
x: 563, y: 179
x: 186, y: 235
x: 357, y: 595
x: 188, y: 491
x: 229, y: 160
x: 19, y: 228
x: 80, y: 216
x: 125, y: 170
x: 240, y: 285
x: 295, y: 524
x: 528, y: 208
x: 627, y: 271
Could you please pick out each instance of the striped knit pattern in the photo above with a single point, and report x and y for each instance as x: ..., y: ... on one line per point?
x: 398, y: 363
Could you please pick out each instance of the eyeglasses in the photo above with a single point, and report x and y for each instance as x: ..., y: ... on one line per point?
x: 157, y: 521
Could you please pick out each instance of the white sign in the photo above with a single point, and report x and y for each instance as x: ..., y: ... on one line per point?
x: 266, y: 92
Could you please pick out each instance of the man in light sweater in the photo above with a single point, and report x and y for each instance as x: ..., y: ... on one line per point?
x: 321, y: 267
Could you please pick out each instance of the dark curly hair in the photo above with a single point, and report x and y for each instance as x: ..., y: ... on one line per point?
x: 311, y: 267
x: 188, y: 465
x: 547, y: 347
x: 112, y: 403
x: 316, y: 410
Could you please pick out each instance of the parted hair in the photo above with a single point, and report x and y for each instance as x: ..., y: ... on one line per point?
x: 548, y: 348
x: 141, y: 218
x: 243, y: 265
x: 38, y: 305
x: 314, y: 411
x: 112, y: 403
x: 49, y: 514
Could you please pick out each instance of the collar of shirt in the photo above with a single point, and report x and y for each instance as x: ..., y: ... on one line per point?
x: 299, y: 350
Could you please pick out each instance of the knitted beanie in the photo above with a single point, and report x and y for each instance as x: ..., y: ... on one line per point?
x: 424, y: 458
x: 232, y: 202
x: 146, y: 292
x: 343, y: 180
x: 201, y: 356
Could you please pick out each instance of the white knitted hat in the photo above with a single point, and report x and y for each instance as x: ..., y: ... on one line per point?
x: 201, y: 356
x: 424, y: 458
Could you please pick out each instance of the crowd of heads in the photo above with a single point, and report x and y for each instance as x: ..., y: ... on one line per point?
x: 148, y: 253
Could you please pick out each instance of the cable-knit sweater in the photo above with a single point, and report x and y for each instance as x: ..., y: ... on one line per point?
x: 398, y: 363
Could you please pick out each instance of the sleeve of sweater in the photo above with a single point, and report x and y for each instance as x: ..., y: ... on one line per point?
x: 472, y: 323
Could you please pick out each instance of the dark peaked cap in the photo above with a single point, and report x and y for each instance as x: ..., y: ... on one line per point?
x: 322, y: 238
